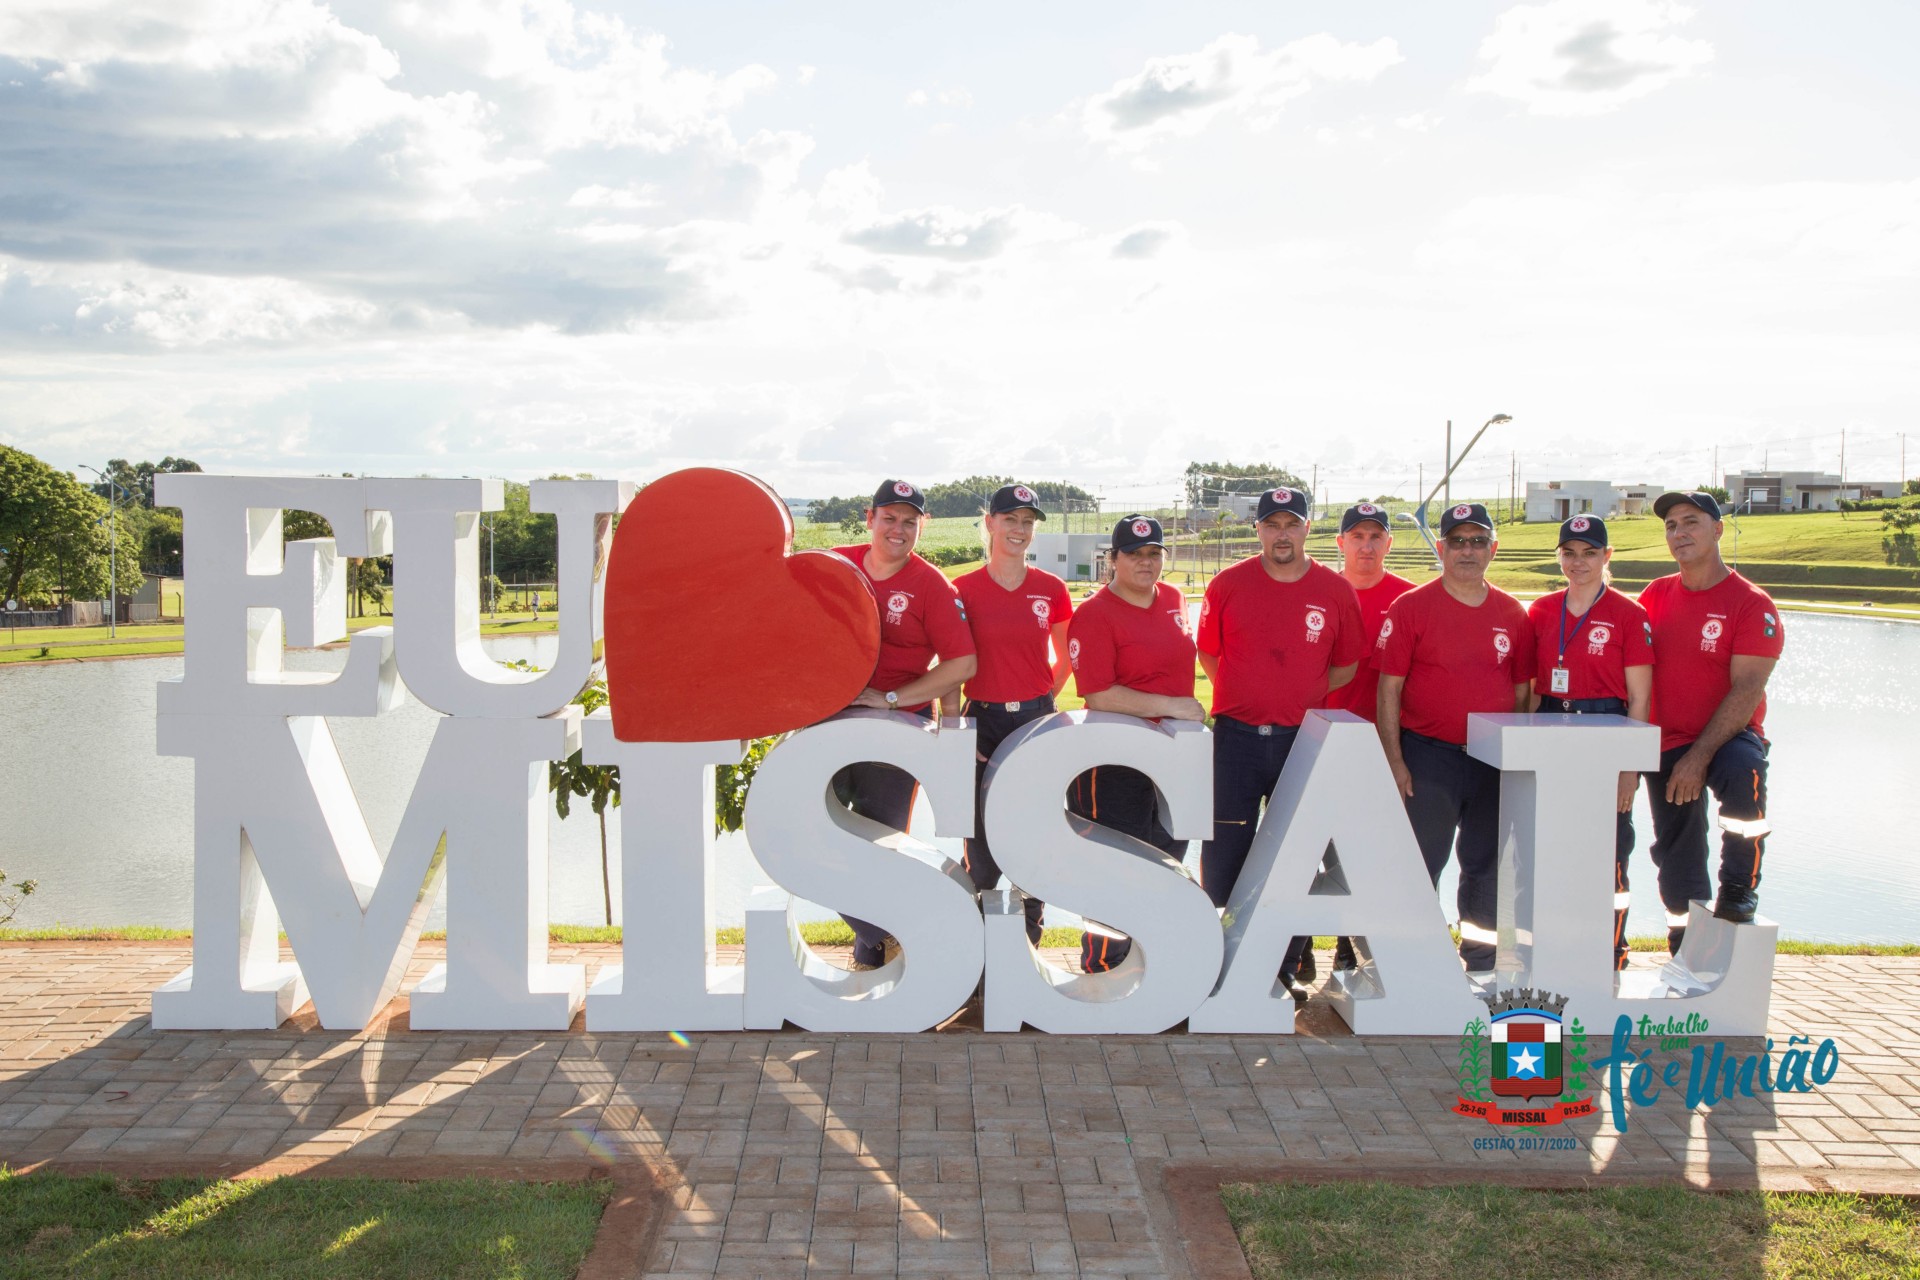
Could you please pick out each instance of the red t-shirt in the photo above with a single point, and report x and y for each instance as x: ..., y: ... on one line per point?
x: 1695, y: 637
x: 1361, y: 695
x: 1010, y: 633
x: 921, y: 616
x: 1276, y: 641
x: 1111, y: 642
x: 1612, y: 636
x: 1457, y: 658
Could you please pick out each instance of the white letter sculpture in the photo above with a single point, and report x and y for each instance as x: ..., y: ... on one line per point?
x: 666, y: 889
x: 1557, y: 803
x: 1336, y: 790
x: 1116, y: 879
x: 817, y: 849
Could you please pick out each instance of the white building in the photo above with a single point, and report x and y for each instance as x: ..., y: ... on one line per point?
x: 1556, y: 500
x: 1075, y: 557
x: 1768, y: 492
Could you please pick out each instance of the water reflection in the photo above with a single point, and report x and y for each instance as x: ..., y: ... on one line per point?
x: 106, y: 825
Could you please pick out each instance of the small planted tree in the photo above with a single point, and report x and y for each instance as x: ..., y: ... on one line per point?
x: 10, y: 899
x: 599, y: 784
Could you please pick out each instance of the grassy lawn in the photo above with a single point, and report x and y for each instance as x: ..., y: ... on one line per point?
x: 103, y: 1226
x: 1614, y: 1233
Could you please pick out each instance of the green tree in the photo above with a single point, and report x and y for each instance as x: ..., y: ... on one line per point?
x: 136, y: 478
x: 1911, y: 487
x: 55, y: 535
x: 10, y: 902
x: 1208, y: 481
x: 1714, y: 491
x: 599, y: 784
x: 1898, y: 545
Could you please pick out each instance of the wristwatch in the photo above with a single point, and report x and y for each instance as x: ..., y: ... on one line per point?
x: 893, y: 700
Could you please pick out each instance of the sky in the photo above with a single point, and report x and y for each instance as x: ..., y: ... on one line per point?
x: 1074, y: 241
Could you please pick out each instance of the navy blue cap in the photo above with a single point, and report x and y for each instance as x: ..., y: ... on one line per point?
x: 1668, y: 501
x: 1591, y: 530
x: 1284, y: 499
x: 1465, y: 513
x: 1014, y: 497
x: 1136, y: 531
x: 892, y: 491
x: 1362, y: 511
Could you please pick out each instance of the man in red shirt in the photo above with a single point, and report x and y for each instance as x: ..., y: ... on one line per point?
x: 1716, y: 638
x: 921, y: 618
x: 1364, y: 541
x: 1449, y: 648
x: 1131, y: 654
x: 1277, y: 632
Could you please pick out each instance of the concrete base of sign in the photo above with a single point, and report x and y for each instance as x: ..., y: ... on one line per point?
x: 269, y: 995
x: 555, y: 993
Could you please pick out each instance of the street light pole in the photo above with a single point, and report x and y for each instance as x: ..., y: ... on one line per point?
x: 113, y: 554
x: 1453, y: 463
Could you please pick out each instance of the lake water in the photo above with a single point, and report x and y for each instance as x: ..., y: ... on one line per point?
x: 106, y: 825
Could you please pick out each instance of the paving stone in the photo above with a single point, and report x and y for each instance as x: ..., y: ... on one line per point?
x: 954, y: 1154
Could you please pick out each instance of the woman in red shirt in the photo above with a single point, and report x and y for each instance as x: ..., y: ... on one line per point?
x: 1595, y: 657
x: 1132, y: 653
x: 1019, y: 618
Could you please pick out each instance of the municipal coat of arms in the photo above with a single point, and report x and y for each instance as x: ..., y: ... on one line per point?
x: 1525, y: 1063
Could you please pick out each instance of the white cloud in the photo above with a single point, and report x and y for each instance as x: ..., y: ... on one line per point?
x: 1587, y: 57
x: 271, y: 142
x: 959, y: 99
x: 1179, y: 95
x: 957, y: 235
x: 1148, y: 240
x: 1418, y: 122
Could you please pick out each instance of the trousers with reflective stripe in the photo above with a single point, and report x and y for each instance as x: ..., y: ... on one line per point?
x: 1737, y: 778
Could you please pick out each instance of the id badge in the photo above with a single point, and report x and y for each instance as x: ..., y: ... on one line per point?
x: 1561, y: 681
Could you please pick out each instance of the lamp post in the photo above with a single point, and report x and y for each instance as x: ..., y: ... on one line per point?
x: 1419, y: 519
x: 113, y: 553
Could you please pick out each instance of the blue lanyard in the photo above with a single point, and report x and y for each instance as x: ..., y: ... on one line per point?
x: 1576, y: 622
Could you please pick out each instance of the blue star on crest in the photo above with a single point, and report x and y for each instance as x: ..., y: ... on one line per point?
x: 1523, y: 1062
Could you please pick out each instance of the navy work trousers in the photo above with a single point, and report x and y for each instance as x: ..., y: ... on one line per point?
x: 1737, y: 777
x: 1122, y: 800
x: 992, y: 723
x: 1455, y: 806
x: 885, y: 794
x: 1246, y: 764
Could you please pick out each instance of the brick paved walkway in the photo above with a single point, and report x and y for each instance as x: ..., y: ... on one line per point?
x: 956, y: 1152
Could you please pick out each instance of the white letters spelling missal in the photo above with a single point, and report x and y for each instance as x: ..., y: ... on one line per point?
x: 697, y: 665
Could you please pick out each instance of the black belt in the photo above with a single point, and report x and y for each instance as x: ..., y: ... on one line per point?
x: 1584, y: 706
x: 1042, y: 703
x: 1264, y: 730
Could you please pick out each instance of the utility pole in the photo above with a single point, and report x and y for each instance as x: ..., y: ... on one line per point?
x: 1446, y: 484
x: 1843, y: 455
x: 1513, y: 483
x: 1713, y: 477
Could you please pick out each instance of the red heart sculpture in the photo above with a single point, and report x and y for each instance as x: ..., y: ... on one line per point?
x: 715, y: 629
